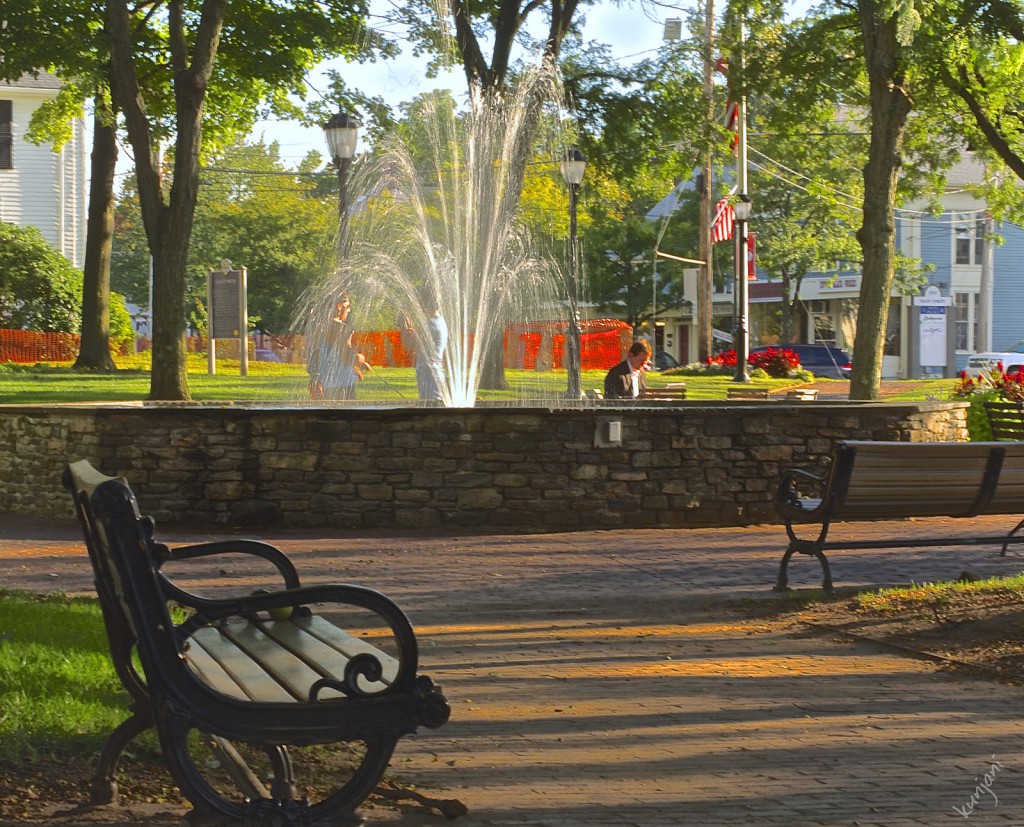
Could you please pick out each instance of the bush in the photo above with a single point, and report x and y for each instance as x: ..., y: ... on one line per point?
x: 122, y: 333
x: 774, y: 363
x: 39, y: 289
x: 777, y: 362
x: 992, y: 386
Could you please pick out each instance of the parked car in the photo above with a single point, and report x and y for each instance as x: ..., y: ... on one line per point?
x: 1012, y: 360
x: 821, y: 360
x: 663, y: 360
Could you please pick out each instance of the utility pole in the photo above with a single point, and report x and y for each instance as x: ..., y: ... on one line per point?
x: 986, y: 287
x: 704, y: 304
x: 706, y: 282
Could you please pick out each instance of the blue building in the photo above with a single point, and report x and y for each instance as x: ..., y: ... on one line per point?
x: 971, y: 301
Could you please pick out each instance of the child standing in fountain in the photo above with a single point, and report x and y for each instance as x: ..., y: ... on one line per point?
x: 334, y: 364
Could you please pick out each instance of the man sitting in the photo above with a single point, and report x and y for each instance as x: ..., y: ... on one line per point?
x: 628, y: 379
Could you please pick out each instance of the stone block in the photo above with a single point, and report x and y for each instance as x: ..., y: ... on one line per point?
x: 480, y: 498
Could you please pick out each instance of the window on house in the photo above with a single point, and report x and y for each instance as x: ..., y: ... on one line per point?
x: 970, y: 243
x: 6, y: 135
x: 965, y: 307
x: 963, y: 245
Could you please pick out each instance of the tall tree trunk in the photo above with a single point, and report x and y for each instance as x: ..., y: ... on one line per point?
x: 168, y: 224
x: 94, y: 351
x: 890, y: 107
x: 492, y: 79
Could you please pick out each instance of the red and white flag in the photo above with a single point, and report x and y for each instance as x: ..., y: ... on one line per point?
x: 732, y: 122
x: 751, y: 257
x: 721, y: 226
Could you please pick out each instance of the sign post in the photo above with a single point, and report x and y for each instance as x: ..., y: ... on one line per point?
x: 227, y: 313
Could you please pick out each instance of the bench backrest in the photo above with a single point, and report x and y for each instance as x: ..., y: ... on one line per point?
x: 1006, y: 419
x: 82, y: 480
x: 124, y: 558
x: 881, y: 480
x: 664, y: 393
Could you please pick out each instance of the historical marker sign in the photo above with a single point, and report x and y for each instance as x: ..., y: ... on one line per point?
x: 227, y: 312
x: 225, y: 304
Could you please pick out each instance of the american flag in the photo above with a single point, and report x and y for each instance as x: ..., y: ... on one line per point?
x: 721, y: 227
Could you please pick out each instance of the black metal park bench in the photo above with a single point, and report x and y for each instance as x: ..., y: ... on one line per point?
x: 899, y: 480
x: 252, y: 688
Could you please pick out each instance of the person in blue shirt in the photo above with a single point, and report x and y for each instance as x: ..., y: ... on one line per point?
x: 430, y: 347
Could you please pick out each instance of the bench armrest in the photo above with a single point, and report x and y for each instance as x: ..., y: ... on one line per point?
x: 271, y: 554
x: 794, y: 486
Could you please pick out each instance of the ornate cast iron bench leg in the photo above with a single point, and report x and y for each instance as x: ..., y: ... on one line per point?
x: 812, y: 548
x: 103, y: 789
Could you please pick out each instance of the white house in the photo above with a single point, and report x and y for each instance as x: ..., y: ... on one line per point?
x: 39, y: 187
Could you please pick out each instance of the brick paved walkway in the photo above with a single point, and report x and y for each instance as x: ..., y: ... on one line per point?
x: 600, y: 679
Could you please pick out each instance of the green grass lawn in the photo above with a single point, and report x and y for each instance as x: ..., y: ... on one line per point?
x: 274, y: 383
x: 58, y: 689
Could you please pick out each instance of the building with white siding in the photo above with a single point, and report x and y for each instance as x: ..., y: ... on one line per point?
x: 38, y: 186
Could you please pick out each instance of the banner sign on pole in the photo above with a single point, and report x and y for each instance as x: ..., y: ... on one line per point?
x: 933, y: 326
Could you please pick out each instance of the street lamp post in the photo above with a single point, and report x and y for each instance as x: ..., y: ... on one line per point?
x: 573, y: 166
x: 741, y: 339
x: 342, y: 134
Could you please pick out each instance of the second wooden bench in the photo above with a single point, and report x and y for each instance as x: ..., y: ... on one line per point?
x: 897, y: 480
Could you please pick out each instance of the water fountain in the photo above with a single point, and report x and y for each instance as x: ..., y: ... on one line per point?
x: 433, y: 227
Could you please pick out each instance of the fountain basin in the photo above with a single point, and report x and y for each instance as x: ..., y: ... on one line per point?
x: 515, y: 469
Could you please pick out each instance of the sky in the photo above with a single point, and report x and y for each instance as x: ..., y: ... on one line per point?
x: 631, y: 33
x: 634, y: 30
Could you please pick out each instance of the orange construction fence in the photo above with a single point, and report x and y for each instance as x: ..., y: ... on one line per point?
x: 31, y: 347
x: 533, y: 346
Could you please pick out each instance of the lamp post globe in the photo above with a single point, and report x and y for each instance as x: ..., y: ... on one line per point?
x: 342, y: 135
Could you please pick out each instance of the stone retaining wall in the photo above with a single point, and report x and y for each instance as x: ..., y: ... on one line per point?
x: 412, y: 468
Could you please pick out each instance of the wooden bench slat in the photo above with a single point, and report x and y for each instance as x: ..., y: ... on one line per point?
x: 251, y: 677
x: 209, y: 670
x: 349, y: 645
x: 747, y: 392
x: 282, y: 665
x: 1006, y: 420
x: 664, y: 393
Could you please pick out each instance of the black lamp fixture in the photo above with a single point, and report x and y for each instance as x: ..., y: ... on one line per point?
x: 342, y: 134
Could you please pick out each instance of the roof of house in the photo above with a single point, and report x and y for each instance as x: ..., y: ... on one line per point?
x: 43, y: 80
